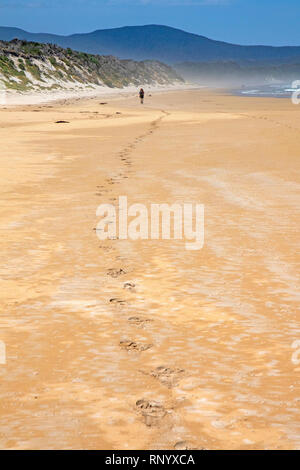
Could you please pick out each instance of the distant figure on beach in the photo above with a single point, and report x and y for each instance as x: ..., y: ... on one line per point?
x: 142, y: 95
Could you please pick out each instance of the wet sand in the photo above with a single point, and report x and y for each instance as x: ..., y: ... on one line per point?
x: 198, y: 353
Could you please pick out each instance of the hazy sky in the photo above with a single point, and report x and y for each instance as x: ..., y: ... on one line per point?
x: 274, y: 22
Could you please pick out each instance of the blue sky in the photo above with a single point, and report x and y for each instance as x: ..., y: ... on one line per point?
x: 272, y: 22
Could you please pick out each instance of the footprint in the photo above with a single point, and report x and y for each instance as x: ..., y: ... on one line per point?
x: 106, y: 248
x: 184, y: 445
x: 116, y: 272
x: 133, y: 346
x: 129, y: 286
x: 167, y: 376
x: 118, y: 302
x: 152, y: 412
x: 138, y: 321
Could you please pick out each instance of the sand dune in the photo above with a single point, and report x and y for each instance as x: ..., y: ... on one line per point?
x: 126, y: 344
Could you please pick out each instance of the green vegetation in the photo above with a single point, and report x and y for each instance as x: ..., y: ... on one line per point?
x: 94, y: 60
x: 13, y: 78
x: 20, y: 60
x: 35, y: 71
x: 31, y: 48
x: 52, y: 61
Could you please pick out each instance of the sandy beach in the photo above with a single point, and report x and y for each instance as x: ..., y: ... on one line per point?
x: 123, y: 344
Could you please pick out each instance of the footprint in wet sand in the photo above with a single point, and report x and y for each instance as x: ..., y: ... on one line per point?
x: 167, y: 376
x: 129, y: 286
x: 151, y: 411
x: 133, y: 346
x: 118, y: 302
x: 138, y: 321
x: 185, y: 445
x: 116, y: 272
x: 106, y: 248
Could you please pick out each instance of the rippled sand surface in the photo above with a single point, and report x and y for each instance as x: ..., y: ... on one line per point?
x: 197, y: 351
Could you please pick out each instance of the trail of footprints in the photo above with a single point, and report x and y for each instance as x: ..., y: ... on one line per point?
x: 266, y: 118
x: 151, y: 412
x: 154, y: 125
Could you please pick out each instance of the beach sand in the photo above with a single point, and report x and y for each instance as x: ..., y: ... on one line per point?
x: 200, y: 353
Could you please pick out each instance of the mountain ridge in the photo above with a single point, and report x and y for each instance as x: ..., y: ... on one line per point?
x: 158, y: 42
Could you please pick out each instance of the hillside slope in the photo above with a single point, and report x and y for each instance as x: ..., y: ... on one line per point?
x: 156, y: 42
x: 32, y: 66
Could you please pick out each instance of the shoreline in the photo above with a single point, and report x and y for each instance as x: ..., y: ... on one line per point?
x: 23, y: 99
x: 15, y: 99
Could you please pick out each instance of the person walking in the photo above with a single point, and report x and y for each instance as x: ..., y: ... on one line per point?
x: 142, y: 95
